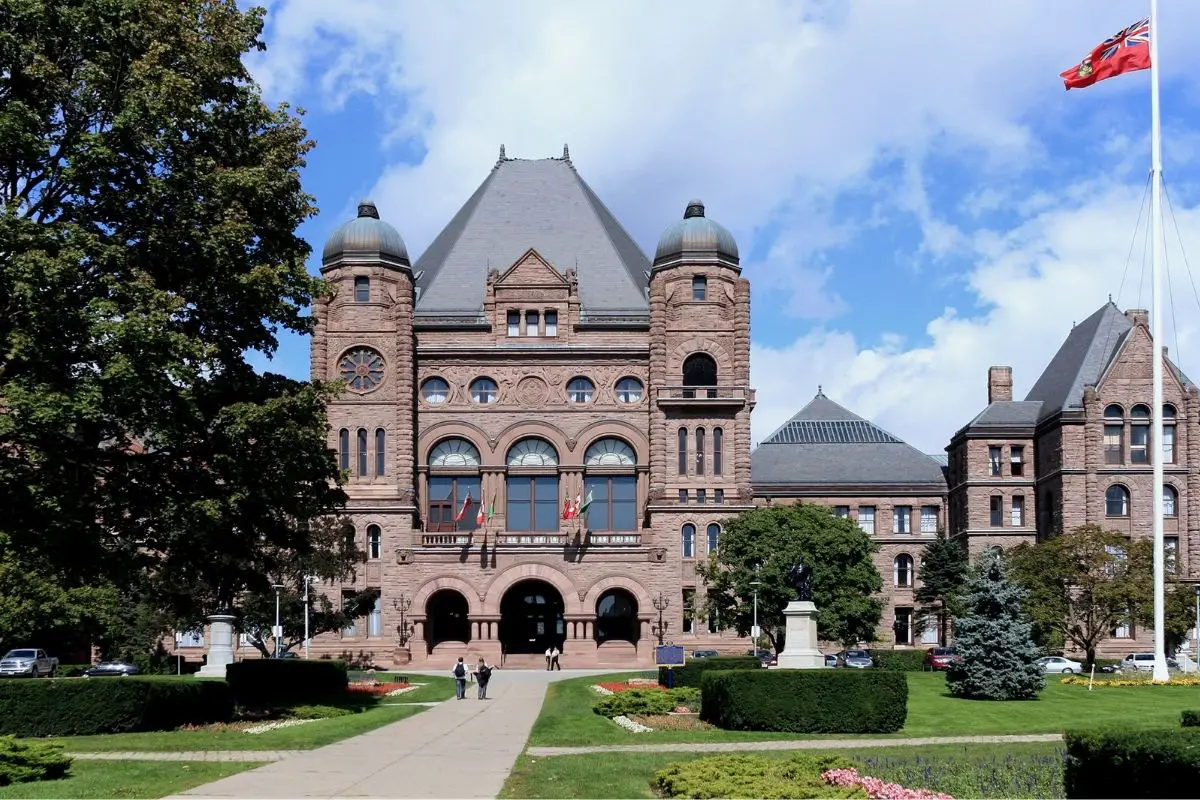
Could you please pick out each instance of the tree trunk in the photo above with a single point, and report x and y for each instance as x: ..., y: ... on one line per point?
x: 1091, y: 655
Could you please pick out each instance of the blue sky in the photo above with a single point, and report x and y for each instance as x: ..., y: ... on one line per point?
x: 915, y: 195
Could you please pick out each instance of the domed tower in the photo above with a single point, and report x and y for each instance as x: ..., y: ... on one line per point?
x: 699, y: 368
x: 364, y: 337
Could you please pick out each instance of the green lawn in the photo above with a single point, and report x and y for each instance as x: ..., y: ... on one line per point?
x: 299, y: 737
x: 567, y: 718
x: 1011, y: 771
x: 139, y: 779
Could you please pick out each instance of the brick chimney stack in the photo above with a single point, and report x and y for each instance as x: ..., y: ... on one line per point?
x: 999, y: 384
x: 1138, y: 316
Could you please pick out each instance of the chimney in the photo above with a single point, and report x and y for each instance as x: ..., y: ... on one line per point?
x: 1138, y: 316
x: 999, y: 384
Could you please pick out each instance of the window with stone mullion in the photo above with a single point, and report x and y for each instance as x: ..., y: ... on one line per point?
x: 446, y: 495
x: 614, y: 502
x: 532, y: 503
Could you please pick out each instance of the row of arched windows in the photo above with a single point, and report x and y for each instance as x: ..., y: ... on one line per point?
x: 700, y: 445
x: 368, y: 451
x: 1116, y: 501
x: 374, y: 541
x: 533, y: 498
x: 1127, y: 438
x: 688, y: 544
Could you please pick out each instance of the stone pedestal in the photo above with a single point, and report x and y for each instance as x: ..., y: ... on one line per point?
x: 220, y: 646
x: 800, y: 642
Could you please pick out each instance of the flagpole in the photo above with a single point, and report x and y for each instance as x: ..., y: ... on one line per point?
x: 1156, y: 333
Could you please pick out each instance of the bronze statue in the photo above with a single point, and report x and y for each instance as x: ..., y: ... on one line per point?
x: 800, y: 578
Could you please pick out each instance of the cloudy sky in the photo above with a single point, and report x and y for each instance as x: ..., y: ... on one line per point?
x: 914, y: 194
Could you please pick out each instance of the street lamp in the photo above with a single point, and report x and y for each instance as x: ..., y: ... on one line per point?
x: 308, y: 579
x: 278, y: 632
x: 754, y: 631
x: 660, y: 603
x: 403, y: 630
x: 1198, y: 625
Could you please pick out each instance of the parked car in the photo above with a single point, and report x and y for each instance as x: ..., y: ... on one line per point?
x: 856, y: 659
x: 1138, y: 661
x: 1060, y: 665
x: 831, y: 660
x: 27, y: 662
x: 938, y: 659
x: 111, y: 668
x: 705, y: 654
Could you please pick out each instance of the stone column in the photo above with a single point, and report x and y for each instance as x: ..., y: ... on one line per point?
x: 220, y: 645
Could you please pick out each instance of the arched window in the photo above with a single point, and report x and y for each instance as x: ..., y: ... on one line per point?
x: 718, y: 441
x: 1114, y: 435
x: 361, y: 453
x: 1114, y: 412
x: 362, y: 289
x: 616, y: 617
x: 699, y: 287
x: 580, y: 390
x: 374, y: 541
x: 1139, y: 434
x: 1116, y: 501
x: 1140, y: 411
x: 484, y: 391
x: 380, y: 451
x: 688, y: 540
x: 902, y: 571
x: 683, y: 459
x: 714, y: 537
x: 1170, y: 501
x: 629, y: 390
x: 344, y: 449
x: 454, y: 492
x: 435, y: 390
x: 610, y: 484
x: 532, y: 498
x: 699, y: 369
x: 699, y: 451
x: 1168, y: 442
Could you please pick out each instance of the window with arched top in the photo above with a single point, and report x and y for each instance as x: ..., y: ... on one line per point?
x: 454, y: 486
x: 699, y: 451
x: 484, y: 391
x: 699, y: 369
x: 362, y: 289
x: 683, y: 451
x: 610, y: 485
x: 374, y: 541
x: 532, y: 498
x: 1168, y: 442
x: 1170, y: 501
x: 1140, y: 411
x: 344, y: 449
x: 902, y: 571
x: 1139, y: 434
x: 1116, y: 501
x: 718, y: 442
x: 361, y: 452
x: 580, y: 390
x: 714, y: 537
x: 616, y: 617
x: 1168, y: 411
x: 687, y: 536
x: 380, y: 451
x: 1114, y: 412
x: 1114, y: 435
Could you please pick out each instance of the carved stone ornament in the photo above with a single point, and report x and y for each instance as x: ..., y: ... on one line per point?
x: 571, y: 442
x: 659, y: 555
x: 582, y: 595
x: 532, y: 391
x: 404, y: 556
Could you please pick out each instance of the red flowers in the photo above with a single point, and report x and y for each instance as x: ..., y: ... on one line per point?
x: 616, y: 687
x: 378, y: 689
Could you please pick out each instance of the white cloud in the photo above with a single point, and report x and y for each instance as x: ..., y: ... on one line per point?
x: 770, y: 111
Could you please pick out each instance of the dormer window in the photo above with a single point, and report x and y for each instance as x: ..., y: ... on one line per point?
x: 531, y: 323
x: 699, y: 287
x: 362, y: 289
x: 514, y: 323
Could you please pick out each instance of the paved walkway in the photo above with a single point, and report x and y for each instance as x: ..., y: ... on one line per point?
x: 791, y: 744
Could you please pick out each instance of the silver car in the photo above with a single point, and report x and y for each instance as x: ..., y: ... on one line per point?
x: 857, y: 659
x: 1060, y: 665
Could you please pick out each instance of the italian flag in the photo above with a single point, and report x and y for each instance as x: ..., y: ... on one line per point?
x: 582, y: 509
x: 486, y: 514
x: 462, y: 512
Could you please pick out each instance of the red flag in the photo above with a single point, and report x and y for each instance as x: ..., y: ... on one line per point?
x: 568, y: 510
x: 462, y: 512
x: 1128, y: 51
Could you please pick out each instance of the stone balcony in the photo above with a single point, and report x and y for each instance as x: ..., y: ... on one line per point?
x: 704, y: 396
x: 531, y: 539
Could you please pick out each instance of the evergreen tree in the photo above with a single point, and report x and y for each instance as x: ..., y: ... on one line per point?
x: 944, y: 569
x: 994, y: 640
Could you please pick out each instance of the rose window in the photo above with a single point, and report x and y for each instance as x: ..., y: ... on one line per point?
x: 362, y: 369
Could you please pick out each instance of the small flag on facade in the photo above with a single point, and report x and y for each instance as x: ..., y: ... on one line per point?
x: 568, y: 509
x: 586, y: 504
x: 1128, y: 51
x: 462, y: 512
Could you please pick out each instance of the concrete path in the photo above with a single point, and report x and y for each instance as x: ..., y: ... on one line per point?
x: 791, y: 744
x: 457, y: 749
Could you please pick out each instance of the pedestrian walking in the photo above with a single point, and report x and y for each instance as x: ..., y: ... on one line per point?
x: 548, y: 656
x: 554, y: 654
x: 483, y: 674
x: 460, y: 679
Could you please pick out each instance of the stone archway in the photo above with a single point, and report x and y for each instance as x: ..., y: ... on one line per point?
x: 446, y: 618
x: 531, y: 618
x: 617, y: 617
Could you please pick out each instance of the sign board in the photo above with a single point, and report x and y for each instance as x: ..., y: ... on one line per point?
x: 669, y: 655
x: 277, y: 631
x: 755, y: 631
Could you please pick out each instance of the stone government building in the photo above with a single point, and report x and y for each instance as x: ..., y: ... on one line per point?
x: 534, y: 358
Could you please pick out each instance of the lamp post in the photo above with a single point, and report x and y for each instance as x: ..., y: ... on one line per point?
x: 754, y: 631
x: 660, y: 603
x: 403, y: 604
x: 1198, y: 626
x: 278, y: 632
x: 308, y: 579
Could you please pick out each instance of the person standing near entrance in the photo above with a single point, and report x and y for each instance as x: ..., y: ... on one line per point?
x: 483, y: 674
x: 460, y: 679
x: 554, y: 654
x: 549, y: 652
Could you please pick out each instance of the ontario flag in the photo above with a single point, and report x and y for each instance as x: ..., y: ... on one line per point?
x: 462, y: 512
x: 1128, y: 51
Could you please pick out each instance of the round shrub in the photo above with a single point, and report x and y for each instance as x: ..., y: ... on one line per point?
x: 319, y: 712
x: 753, y: 776
x: 22, y: 762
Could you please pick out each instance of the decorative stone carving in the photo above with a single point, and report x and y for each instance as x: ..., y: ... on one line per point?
x: 532, y: 391
x: 658, y: 555
x: 571, y: 442
x: 404, y: 556
x: 582, y: 595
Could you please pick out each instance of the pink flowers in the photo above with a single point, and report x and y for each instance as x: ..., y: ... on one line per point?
x: 877, y: 789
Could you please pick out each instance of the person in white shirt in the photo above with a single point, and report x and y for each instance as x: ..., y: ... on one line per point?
x: 554, y: 654
x: 548, y: 652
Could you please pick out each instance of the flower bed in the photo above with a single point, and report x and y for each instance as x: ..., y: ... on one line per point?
x: 672, y: 722
x: 1082, y: 680
x: 630, y: 725
x: 877, y: 789
x: 274, y: 726
x: 616, y: 687
x: 378, y: 689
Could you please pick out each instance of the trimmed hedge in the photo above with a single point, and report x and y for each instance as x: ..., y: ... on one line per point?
x: 24, y: 762
x: 899, y: 660
x: 690, y: 674
x: 1121, y: 763
x: 79, y: 707
x: 753, y: 776
x: 268, y: 681
x: 805, y: 701
x: 1189, y: 719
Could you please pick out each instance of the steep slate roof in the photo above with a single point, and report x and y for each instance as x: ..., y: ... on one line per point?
x: 543, y: 205
x: 824, y: 445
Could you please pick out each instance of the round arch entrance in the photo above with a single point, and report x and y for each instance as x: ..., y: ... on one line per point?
x: 616, y: 617
x: 531, y: 618
x: 446, y: 618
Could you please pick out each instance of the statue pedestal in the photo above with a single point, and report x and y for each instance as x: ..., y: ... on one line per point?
x: 800, y: 642
x: 220, y: 646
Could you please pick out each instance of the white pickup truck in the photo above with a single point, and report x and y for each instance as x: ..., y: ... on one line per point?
x: 27, y: 662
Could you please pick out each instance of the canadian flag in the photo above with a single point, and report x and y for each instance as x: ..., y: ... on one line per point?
x: 568, y: 509
x: 462, y: 512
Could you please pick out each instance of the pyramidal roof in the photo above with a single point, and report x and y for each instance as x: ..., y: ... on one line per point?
x: 541, y: 204
x: 825, y: 444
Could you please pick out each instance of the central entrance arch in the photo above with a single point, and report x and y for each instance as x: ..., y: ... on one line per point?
x: 531, y: 618
x: 446, y: 614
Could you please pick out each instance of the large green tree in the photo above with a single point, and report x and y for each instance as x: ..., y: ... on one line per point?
x: 763, y: 544
x: 944, y: 569
x: 149, y: 200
